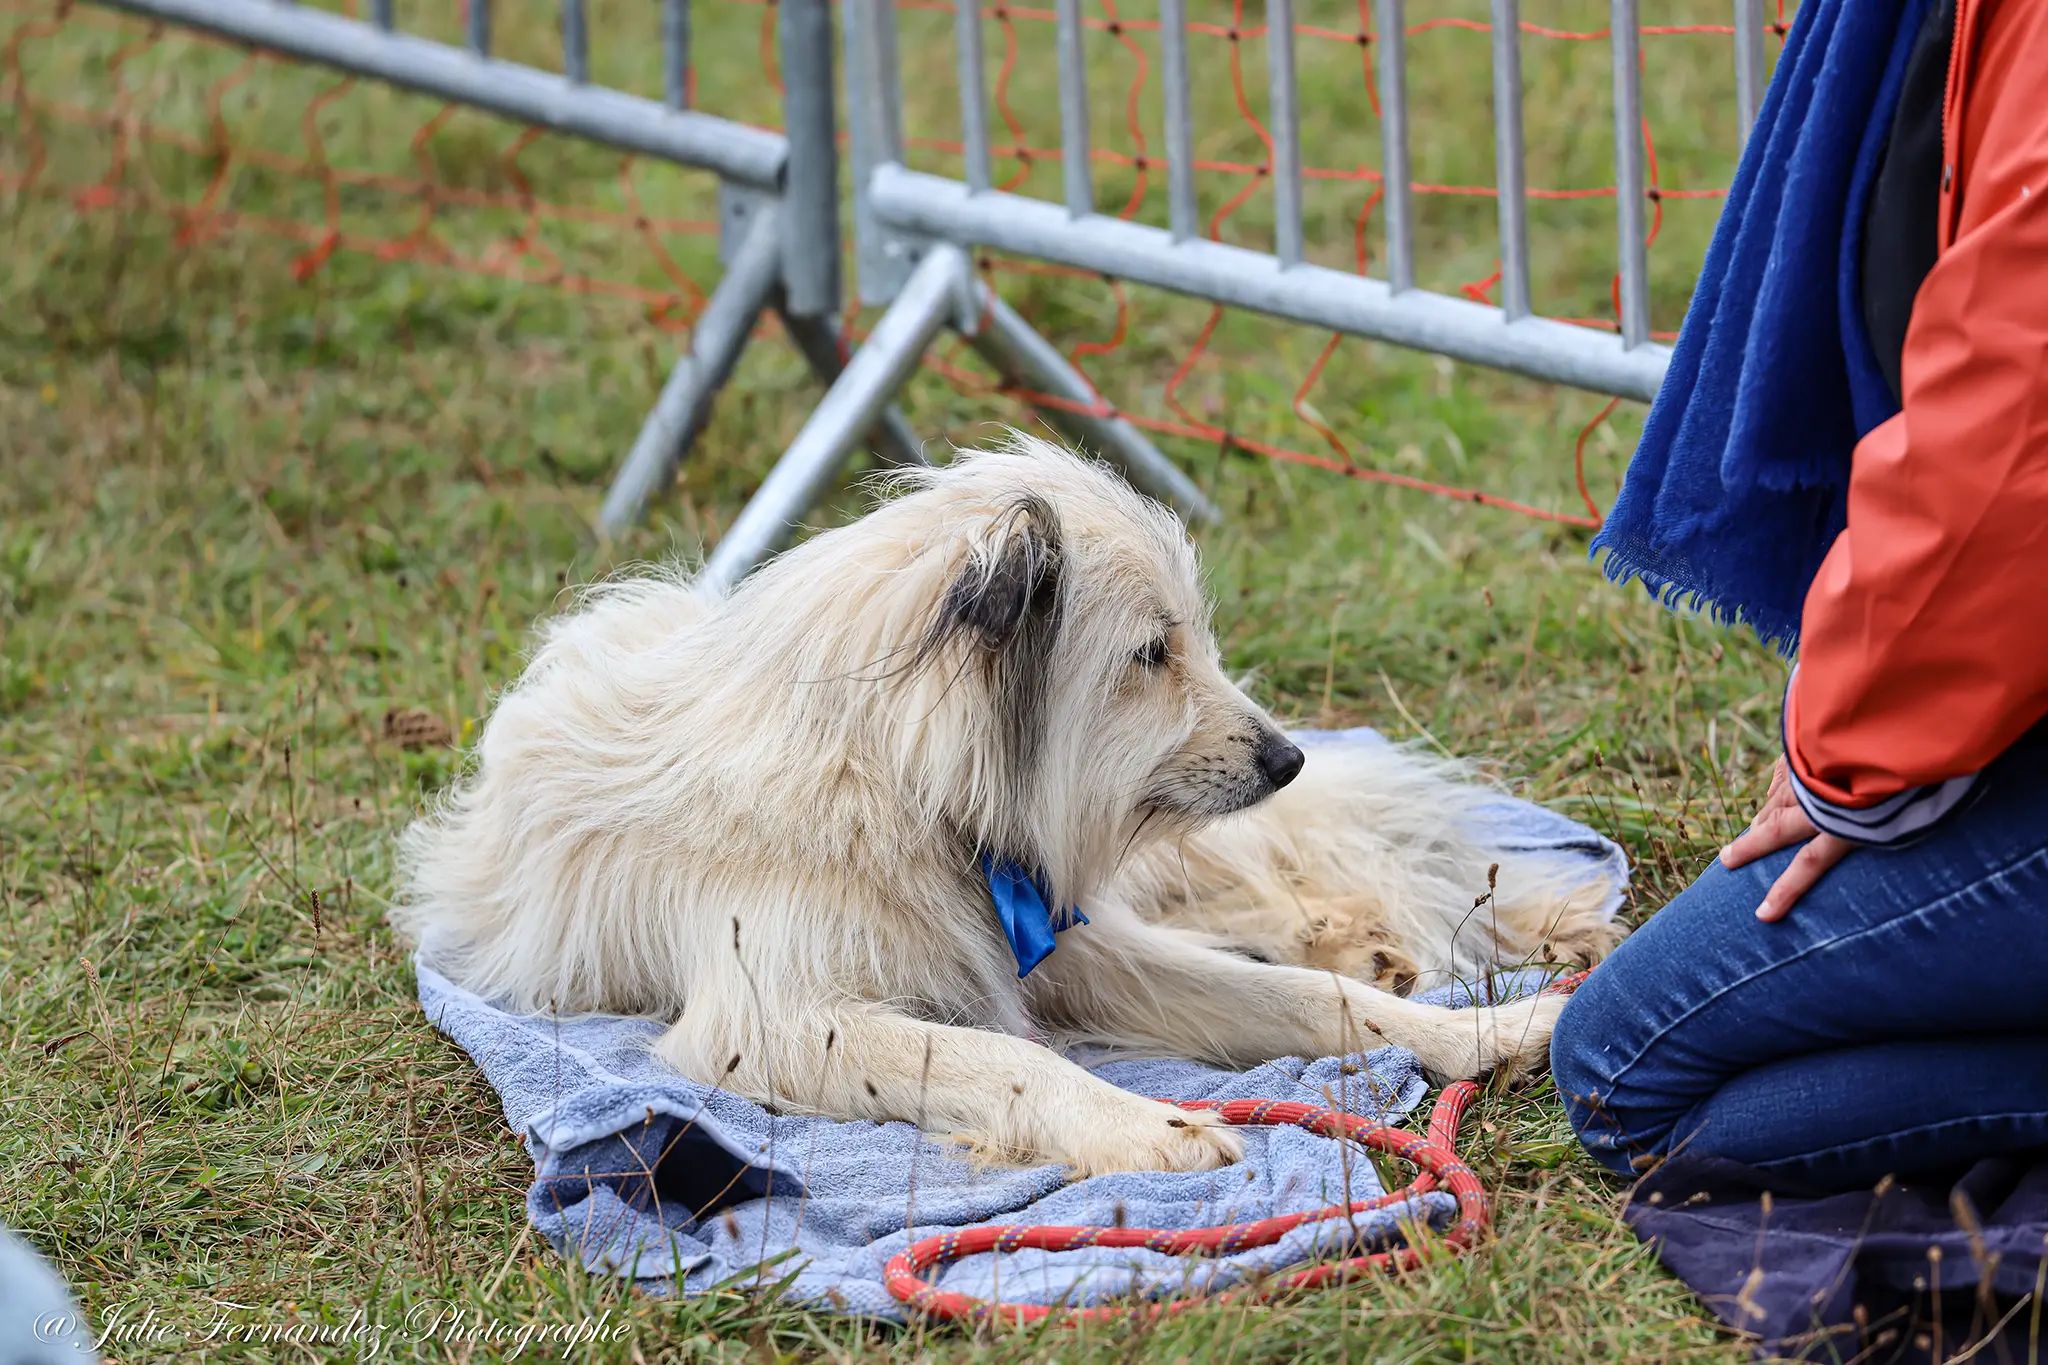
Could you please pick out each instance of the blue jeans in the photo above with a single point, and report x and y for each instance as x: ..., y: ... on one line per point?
x: 1895, y: 1023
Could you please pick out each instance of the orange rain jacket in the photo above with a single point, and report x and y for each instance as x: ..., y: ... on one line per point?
x: 1924, y: 639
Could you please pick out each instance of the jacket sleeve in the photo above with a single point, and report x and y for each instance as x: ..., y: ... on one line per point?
x: 1924, y: 639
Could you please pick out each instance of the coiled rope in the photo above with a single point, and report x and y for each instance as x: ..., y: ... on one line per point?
x: 1434, y: 1153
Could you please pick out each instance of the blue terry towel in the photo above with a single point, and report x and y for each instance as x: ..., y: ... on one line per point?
x: 1738, y: 485
x: 679, y: 1187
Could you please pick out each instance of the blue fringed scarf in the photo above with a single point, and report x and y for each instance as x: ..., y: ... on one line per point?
x: 1739, y: 483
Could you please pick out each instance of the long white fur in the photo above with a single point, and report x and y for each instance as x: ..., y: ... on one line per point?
x: 1372, y: 864
x: 760, y: 818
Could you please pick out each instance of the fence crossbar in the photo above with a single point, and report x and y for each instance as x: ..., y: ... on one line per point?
x: 933, y: 207
x: 736, y: 152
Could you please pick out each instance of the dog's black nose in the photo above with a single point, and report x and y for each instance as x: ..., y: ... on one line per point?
x: 1280, y: 761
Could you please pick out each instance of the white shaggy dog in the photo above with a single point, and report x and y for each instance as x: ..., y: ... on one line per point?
x: 764, y: 818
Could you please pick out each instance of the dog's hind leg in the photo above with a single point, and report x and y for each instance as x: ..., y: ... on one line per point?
x: 1123, y: 982
x: 1007, y: 1094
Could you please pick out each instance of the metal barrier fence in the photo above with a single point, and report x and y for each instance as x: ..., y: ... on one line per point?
x: 902, y: 207
x: 778, y: 219
x: 915, y: 231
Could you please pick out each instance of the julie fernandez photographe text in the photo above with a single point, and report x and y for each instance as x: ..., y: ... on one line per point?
x: 126, y: 1328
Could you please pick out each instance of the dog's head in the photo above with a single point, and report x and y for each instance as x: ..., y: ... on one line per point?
x: 1063, y: 695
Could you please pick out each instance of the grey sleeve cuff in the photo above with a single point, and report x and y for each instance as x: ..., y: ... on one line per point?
x: 1891, y: 821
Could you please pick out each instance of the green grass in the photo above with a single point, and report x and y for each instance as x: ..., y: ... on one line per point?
x: 245, y: 514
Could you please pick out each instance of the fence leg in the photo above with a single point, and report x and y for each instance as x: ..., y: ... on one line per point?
x: 1028, y: 360
x: 685, y: 403
x: 930, y: 298
x: 892, y: 440
x: 810, y: 270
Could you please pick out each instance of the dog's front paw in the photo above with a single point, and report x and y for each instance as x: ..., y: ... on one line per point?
x: 1522, y: 1035
x: 1146, y: 1135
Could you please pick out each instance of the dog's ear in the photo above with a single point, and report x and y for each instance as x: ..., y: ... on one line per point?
x: 1004, y: 601
x: 1011, y: 577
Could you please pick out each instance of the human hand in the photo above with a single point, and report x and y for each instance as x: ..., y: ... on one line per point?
x: 1780, y: 823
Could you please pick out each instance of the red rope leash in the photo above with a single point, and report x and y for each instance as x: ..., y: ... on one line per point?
x: 1434, y: 1153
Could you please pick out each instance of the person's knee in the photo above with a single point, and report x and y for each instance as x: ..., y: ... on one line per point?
x: 1586, y: 1057
x: 1627, y: 1056
x: 1575, y: 1049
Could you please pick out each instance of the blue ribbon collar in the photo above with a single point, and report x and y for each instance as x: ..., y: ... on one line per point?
x: 1021, y: 906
